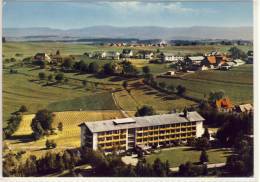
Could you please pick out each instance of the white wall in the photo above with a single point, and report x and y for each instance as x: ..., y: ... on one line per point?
x: 95, y: 141
x: 82, y: 135
x: 199, y: 129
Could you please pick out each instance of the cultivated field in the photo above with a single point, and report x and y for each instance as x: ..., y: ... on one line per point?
x: 68, y: 138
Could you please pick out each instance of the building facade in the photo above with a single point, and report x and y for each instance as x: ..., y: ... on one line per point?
x: 127, y: 133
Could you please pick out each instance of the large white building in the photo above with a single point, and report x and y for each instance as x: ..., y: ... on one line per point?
x: 169, y: 57
x: 127, y: 133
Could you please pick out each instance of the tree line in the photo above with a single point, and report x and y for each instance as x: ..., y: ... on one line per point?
x: 102, y: 165
x: 13, y: 122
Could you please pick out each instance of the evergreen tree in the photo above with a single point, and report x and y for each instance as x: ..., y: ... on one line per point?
x: 203, y: 156
x: 206, y: 133
x: 146, y: 70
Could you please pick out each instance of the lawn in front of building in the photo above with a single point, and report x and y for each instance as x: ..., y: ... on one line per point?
x: 178, y: 156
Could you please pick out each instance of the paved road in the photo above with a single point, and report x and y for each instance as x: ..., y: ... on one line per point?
x: 175, y: 169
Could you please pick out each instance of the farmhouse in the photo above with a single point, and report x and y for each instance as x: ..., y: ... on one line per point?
x: 127, y: 53
x: 169, y: 57
x: 214, y: 62
x: 127, y: 133
x: 42, y: 57
x: 224, y: 105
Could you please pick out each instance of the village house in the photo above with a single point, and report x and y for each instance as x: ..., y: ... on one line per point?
x: 224, y: 105
x: 128, y: 133
x: 42, y: 57
x: 244, y: 108
x: 225, y: 66
x: 144, y: 54
x: 213, y: 53
x: 195, y: 60
x: 127, y: 53
x: 203, y: 68
x: 56, y: 59
x: 110, y: 55
x: 238, y: 62
x: 169, y: 57
x: 250, y: 56
x: 214, y: 62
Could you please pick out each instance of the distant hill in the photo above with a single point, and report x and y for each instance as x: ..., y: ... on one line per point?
x: 152, y: 32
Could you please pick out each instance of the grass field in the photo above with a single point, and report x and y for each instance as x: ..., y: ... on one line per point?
x: 30, y: 48
x: 19, y: 89
x: 68, y: 138
x: 143, y: 95
x: 154, y: 68
x: 183, y: 155
x: 237, y: 83
x: 102, y: 101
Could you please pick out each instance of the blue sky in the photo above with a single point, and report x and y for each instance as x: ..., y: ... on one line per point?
x: 67, y: 15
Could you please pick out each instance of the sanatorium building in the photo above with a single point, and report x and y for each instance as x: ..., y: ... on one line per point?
x: 127, y: 133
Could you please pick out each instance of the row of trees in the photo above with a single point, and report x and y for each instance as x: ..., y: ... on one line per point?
x: 13, y: 122
x: 124, y: 68
x: 102, y: 165
x: 241, y: 163
x: 235, y: 127
x: 179, y: 89
x: 58, y: 77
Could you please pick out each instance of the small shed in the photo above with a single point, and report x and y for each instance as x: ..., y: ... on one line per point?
x: 170, y: 73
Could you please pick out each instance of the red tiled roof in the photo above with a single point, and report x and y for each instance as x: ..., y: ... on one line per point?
x: 212, y: 59
x: 224, y: 103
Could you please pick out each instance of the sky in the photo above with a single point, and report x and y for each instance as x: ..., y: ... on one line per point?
x: 73, y: 15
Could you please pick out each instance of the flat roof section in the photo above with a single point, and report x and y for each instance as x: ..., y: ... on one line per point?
x: 137, y: 122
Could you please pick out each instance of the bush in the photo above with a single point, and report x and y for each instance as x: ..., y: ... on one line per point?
x: 145, y: 111
x: 23, y: 108
x: 202, y: 143
x: 50, y: 144
x: 180, y: 90
x: 190, y: 170
x: 41, y: 75
x: 59, y: 77
x: 60, y: 126
x: 12, y: 71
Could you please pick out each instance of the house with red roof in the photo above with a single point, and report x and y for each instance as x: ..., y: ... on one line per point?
x: 224, y: 104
